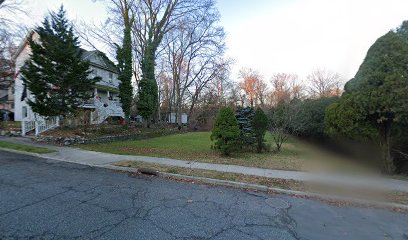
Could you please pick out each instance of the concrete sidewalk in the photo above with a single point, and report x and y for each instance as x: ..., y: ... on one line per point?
x: 75, y: 155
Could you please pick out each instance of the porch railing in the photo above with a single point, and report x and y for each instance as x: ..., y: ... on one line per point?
x: 39, y: 125
x: 27, y: 126
x: 46, y: 124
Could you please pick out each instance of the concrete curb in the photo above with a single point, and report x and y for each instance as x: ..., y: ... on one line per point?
x: 263, y: 188
x: 233, y: 184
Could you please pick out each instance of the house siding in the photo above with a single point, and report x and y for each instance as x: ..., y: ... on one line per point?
x: 24, y: 54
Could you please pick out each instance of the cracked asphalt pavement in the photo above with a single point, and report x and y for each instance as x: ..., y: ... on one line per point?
x: 43, y: 199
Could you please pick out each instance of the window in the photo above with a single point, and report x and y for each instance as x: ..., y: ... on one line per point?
x: 110, y: 75
x: 24, y: 111
x: 95, y: 71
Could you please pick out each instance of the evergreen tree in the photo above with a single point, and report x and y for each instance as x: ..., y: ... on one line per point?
x: 247, y: 135
x: 147, y: 99
x: 55, y: 74
x: 148, y: 91
x: 124, y: 57
x: 226, y: 131
x: 376, y: 100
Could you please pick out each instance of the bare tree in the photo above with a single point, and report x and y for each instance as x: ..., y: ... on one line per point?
x: 9, y: 11
x: 232, y: 93
x: 281, y: 88
x: 10, y: 31
x: 213, y: 73
x: 282, y: 123
x: 177, y: 44
x: 193, y: 51
x: 297, y: 89
x: 261, y: 89
x: 250, y: 79
x: 324, y: 83
x: 7, y: 49
x: 107, y: 34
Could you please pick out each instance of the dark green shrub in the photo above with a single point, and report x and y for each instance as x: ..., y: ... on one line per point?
x: 226, y: 131
x: 244, y: 117
x: 309, y: 118
x: 260, y: 124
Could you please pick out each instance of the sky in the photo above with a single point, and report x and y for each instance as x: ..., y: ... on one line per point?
x: 274, y: 36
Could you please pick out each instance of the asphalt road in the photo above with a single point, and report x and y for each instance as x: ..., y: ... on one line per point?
x: 42, y: 199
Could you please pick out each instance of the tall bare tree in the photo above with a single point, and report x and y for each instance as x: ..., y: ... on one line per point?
x: 155, y: 18
x: 182, y: 34
x: 232, y: 93
x: 10, y: 31
x: 215, y: 73
x: 281, y: 88
x: 10, y: 10
x: 193, y: 51
x: 250, y: 79
x: 297, y: 89
x: 261, y: 89
x: 324, y: 83
x: 7, y: 49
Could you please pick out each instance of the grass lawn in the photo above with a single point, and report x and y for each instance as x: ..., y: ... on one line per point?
x: 196, y: 146
x: 10, y: 125
x: 25, y: 148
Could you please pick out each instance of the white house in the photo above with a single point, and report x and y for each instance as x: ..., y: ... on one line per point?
x: 104, y: 104
x: 172, y: 118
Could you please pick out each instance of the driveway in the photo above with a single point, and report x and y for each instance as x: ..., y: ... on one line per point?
x: 44, y: 199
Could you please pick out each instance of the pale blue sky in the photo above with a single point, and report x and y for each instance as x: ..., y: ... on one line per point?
x: 294, y: 36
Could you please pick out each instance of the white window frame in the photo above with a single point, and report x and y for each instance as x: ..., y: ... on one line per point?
x: 24, y: 111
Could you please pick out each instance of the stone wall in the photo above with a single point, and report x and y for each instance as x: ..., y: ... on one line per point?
x: 75, y: 140
x: 10, y: 133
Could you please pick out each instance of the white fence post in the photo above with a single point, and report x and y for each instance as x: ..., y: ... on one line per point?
x: 23, y: 128
x: 36, y: 128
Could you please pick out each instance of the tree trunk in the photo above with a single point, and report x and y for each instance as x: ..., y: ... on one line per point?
x: 193, y: 102
x: 385, y: 146
x: 179, y: 122
x: 178, y: 105
x: 259, y: 146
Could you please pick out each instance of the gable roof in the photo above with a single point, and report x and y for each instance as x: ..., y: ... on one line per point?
x: 95, y: 57
x: 99, y: 59
x: 23, y: 44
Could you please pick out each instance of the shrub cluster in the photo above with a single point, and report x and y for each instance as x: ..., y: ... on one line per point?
x: 245, y: 130
x: 305, y: 119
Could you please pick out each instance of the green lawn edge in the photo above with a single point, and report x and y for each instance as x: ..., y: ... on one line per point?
x: 25, y: 148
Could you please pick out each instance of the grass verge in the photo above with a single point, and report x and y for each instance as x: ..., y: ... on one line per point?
x: 196, y: 146
x: 25, y: 148
x: 269, y: 182
x: 387, y: 196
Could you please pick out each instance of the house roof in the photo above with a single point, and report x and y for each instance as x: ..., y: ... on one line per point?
x: 23, y: 44
x: 95, y: 57
x: 99, y: 59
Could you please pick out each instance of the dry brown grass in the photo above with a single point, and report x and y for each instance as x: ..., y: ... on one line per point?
x: 387, y: 196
